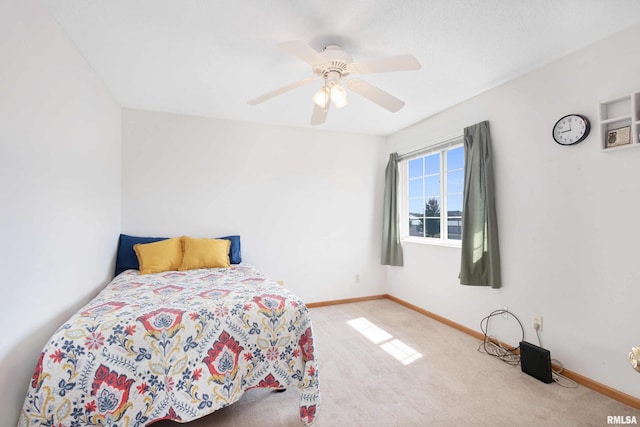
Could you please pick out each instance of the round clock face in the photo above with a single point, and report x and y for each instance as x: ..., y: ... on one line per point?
x: 571, y: 129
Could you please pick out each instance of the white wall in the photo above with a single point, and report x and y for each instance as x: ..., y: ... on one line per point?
x: 306, y: 203
x: 59, y: 188
x: 566, y: 215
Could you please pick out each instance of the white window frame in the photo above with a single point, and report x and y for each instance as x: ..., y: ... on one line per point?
x: 403, y: 193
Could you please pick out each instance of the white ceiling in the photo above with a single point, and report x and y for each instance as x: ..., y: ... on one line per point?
x: 208, y: 57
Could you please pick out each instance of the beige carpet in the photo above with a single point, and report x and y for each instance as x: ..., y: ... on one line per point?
x: 451, y: 384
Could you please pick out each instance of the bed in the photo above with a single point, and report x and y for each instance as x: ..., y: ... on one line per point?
x: 173, y: 345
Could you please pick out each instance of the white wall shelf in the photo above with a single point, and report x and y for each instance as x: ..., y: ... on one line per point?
x: 616, y: 115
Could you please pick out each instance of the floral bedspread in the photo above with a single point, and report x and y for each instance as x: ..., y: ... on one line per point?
x: 174, y: 345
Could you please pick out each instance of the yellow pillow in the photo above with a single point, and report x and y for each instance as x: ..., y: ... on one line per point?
x: 165, y: 255
x: 205, y: 253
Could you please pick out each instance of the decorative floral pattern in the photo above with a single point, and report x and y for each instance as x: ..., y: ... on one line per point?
x: 306, y: 344
x: 222, y: 358
x: 111, y: 392
x: 175, y: 347
x: 163, y: 323
x: 270, y: 303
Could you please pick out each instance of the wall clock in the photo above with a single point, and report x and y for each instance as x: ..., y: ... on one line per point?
x: 571, y: 129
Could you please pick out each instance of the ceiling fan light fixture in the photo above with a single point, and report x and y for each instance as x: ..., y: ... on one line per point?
x: 339, y: 103
x: 338, y: 94
x: 321, y: 97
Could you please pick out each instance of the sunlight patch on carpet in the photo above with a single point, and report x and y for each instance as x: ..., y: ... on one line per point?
x: 369, y: 330
x: 396, y: 348
x: 401, y: 351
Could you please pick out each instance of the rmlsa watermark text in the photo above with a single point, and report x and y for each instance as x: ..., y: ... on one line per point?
x: 621, y: 419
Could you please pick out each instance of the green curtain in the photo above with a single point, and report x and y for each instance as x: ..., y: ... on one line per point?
x: 391, y: 248
x: 480, y: 263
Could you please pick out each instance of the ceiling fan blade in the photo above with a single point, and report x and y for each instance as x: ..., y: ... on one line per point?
x: 375, y: 94
x: 319, y: 115
x: 384, y: 65
x: 303, y: 51
x: 282, y: 90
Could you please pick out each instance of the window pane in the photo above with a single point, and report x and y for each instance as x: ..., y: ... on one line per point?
x: 432, y: 208
x: 455, y: 181
x: 454, y: 205
x: 432, y: 228
x: 416, y: 206
x: 415, y: 188
x: 455, y: 158
x: 432, y: 164
x: 432, y: 186
x: 454, y: 228
x: 416, y: 226
x: 415, y: 168
x: 427, y: 197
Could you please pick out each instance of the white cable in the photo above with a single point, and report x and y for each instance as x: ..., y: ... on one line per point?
x: 502, y: 353
x: 557, y: 377
x: 539, y: 339
x: 493, y: 346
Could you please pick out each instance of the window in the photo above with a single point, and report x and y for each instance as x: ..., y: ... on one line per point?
x: 433, y: 188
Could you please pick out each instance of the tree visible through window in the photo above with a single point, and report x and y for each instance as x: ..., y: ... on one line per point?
x: 435, y: 187
x: 432, y: 217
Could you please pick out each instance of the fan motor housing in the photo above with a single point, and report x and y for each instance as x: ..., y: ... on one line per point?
x: 337, y: 61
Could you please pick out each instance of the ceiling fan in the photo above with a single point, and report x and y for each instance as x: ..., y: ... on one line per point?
x: 334, y: 64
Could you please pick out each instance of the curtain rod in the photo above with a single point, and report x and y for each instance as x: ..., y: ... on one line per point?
x: 435, y: 146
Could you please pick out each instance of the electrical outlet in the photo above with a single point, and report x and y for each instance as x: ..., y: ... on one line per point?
x: 505, y: 315
x: 537, y: 323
